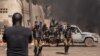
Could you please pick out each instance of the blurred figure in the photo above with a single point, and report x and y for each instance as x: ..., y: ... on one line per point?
x: 64, y: 28
x: 37, y: 35
x: 44, y: 27
x: 52, y: 22
x: 41, y: 25
x: 47, y: 33
x: 52, y: 25
x: 17, y: 37
x: 56, y: 35
x: 67, y: 38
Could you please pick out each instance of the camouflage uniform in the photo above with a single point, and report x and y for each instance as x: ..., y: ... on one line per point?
x: 67, y: 39
x: 37, y: 34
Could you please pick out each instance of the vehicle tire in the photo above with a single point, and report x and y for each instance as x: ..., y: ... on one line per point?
x: 89, y: 42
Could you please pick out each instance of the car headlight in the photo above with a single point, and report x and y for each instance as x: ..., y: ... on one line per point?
x: 96, y: 35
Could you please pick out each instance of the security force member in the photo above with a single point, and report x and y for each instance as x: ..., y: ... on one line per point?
x: 17, y: 37
x: 67, y: 39
x: 37, y: 34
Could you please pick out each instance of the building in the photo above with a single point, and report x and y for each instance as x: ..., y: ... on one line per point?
x: 37, y: 13
x: 7, y: 9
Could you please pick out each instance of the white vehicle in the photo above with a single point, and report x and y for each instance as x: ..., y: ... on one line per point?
x: 83, y: 37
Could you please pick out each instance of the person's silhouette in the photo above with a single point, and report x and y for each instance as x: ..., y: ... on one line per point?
x: 17, y: 37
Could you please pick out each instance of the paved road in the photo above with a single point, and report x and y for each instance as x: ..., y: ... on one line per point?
x: 77, y: 50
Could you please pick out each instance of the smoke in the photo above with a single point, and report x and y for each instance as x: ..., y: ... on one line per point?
x: 84, y: 13
x: 89, y: 11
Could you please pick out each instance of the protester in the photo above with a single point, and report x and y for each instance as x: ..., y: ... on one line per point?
x: 17, y: 37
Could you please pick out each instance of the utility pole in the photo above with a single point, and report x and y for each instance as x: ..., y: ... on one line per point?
x: 24, y: 23
x: 22, y: 9
x: 30, y: 13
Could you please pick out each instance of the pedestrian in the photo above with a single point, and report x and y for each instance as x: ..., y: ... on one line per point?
x: 17, y: 37
x: 57, y: 37
x: 67, y: 38
x: 41, y: 25
x: 47, y: 33
x: 37, y: 34
x: 44, y: 28
x: 64, y: 28
x: 59, y: 32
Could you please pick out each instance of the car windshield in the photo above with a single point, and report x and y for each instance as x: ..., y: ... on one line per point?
x: 75, y: 29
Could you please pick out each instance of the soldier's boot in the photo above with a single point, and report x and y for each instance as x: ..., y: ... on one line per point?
x: 35, y: 51
x: 40, y: 50
x: 57, y: 42
x: 66, y: 50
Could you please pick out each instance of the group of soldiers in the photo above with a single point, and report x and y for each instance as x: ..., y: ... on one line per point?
x: 40, y: 31
x: 17, y: 37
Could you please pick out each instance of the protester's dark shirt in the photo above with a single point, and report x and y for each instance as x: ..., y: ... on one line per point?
x: 17, y: 39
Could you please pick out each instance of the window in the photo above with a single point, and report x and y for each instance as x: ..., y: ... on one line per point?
x: 3, y: 10
x: 75, y: 30
x: 0, y: 11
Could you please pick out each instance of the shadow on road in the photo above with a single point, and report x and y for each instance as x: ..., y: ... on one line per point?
x: 60, y: 53
x: 63, y: 45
